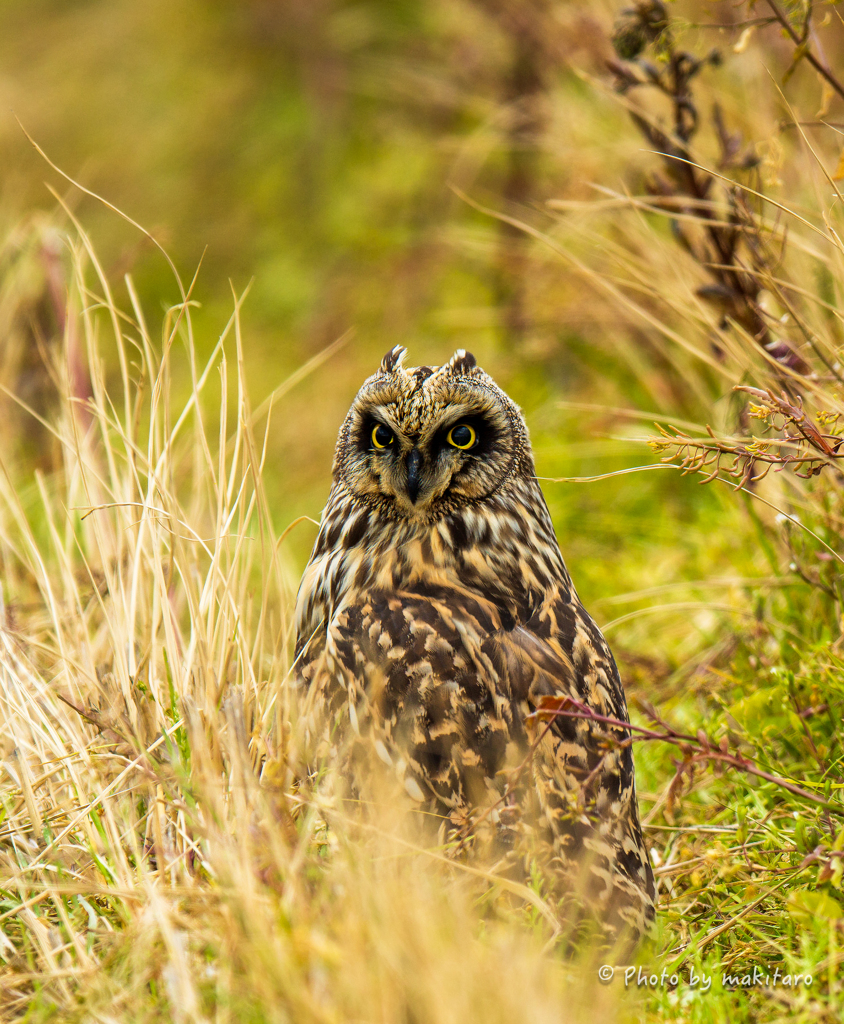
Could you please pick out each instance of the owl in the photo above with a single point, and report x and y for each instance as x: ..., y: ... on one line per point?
x: 438, y: 628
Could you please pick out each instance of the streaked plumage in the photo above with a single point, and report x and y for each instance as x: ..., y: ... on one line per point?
x: 436, y: 615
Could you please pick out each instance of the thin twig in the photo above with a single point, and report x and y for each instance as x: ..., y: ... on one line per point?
x: 697, y: 748
x: 802, y: 43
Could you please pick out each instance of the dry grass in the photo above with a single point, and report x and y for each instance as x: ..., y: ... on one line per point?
x: 157, y: 860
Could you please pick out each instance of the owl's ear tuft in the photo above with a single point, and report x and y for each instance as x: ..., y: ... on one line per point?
x: 393, y: 359
x: 462, y: 361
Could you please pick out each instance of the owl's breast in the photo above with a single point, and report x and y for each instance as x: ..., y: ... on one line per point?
x: 501, y: 561
x: 422, y: 675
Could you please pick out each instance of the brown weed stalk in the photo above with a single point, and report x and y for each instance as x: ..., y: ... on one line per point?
x: 698, y: 749
x: 729, y: 242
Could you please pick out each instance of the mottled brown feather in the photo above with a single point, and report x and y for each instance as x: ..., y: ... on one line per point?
x: 436, y: 617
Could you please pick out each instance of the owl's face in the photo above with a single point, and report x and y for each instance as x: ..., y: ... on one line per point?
x: 420, y: 442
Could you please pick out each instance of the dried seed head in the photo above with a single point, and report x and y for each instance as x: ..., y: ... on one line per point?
x: 637, y: 26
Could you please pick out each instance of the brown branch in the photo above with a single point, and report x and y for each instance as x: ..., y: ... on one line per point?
x: 800, y: 43
x: 733, y: 250
x: 697, y: 749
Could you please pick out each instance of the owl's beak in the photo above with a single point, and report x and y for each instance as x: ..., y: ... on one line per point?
x: 414, y: 462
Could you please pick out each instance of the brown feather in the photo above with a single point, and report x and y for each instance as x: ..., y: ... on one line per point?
x: 435, y: 618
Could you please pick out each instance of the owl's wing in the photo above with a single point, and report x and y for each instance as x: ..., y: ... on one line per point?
x: 583, y: 768
x: 447, y: 688
x: 450, y: 677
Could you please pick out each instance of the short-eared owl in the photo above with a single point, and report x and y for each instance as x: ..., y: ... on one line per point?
x: 437, y: 626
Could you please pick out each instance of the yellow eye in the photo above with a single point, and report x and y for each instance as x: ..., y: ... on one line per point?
x: 381, y: 436
x: 462, y: 436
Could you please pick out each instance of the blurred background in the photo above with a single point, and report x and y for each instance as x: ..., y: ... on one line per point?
x: 348, y: 158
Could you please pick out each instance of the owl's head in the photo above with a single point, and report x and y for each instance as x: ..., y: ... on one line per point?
x: 420, y: 442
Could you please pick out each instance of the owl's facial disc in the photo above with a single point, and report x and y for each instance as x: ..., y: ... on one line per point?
x: 418, y: 468
x: 420, y: 442
x: 428, y: 465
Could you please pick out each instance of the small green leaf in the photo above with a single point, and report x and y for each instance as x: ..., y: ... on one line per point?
x: 806, y: 905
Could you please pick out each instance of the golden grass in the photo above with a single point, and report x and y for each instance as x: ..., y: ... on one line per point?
x: 157, y: 861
